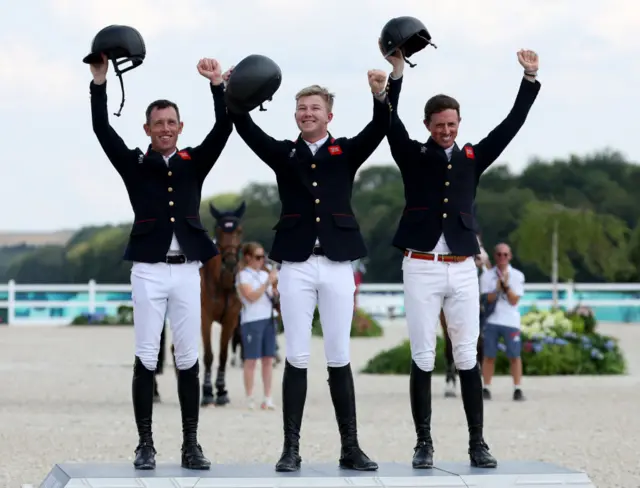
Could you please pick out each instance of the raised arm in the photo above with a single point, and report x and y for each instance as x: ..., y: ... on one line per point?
x: 402, y: 147
x: 362, y: 145
x: 270, y: 150
x: 112, y: 144
x: 489, y: 149
x: 208, y: 152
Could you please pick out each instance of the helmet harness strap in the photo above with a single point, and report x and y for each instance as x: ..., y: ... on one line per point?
x: 119, y: 73
x: 262, y: 109
x: 429, y: 43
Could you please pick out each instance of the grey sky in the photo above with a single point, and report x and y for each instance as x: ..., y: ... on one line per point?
x: 55, y: 175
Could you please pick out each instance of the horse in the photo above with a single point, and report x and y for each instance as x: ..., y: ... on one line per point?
x: 219, y: 302
x: 219, y: 299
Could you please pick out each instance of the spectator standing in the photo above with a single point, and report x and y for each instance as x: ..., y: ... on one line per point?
x: 503, y: 286
x: 256, y: 288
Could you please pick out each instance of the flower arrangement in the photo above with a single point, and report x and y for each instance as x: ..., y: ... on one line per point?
x: 554, y: 342
x: 552, y: 323
x: 572, y: 337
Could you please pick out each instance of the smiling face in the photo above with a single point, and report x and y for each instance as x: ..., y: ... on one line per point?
x: 313, y: 112
x: 443, y: 127
x: 163, y: 126
x: 442, y: 119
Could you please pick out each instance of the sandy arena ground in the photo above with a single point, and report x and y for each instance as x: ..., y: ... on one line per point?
x: 65, y: 396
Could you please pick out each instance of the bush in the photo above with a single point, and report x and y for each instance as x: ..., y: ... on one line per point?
x: 553, y: 343
x: 124, y: 317
x: 362, y: 325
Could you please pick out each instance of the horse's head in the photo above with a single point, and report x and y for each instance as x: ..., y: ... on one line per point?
x: 228, y: 235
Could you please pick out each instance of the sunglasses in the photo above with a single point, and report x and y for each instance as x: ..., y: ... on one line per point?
x: 258, y: 256
x: 502, y: 254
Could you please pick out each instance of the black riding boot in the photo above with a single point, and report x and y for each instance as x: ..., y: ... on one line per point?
x: 471, y: 387
x: 420, y: 394
x: 142, y: 395
x: 294, y: 395
x: 344, y: 402
x: 189, y: 396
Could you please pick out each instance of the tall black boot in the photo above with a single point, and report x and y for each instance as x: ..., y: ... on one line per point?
x: 420, y: 394
x: 189, y: 395
x: 294, y: 395
x: 471, y: 387
x: 344, y: 402
x: 142, y: 396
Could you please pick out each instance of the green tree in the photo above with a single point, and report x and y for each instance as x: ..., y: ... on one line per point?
x: 598, y: 241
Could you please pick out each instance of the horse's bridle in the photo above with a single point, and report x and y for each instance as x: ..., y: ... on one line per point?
x: 229, y: 255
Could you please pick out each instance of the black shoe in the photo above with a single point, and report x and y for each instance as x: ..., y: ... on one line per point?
x: 142, y: 396
x: 189, y: 396
x: 472, y: 399
x: 294, y: 395
x: 420, y: 395
x: 145, y: 457
x: 518, y: 396
x: 344, y: 402
x: 486, y: 394
x: 479, y: 455
x: 193, y: 458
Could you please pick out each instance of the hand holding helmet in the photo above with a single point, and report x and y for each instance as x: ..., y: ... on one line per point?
x: 395, y: 59
x: 121, y: 44
x: 99, y: 70
x: 405, y: 34
x: 250, y: 83
x: 227, y: 74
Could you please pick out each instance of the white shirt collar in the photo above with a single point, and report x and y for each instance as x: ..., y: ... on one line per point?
x: 314, y: 146
x: 167, y: 158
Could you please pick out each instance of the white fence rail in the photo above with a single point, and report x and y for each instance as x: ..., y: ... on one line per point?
x: 385, y: 299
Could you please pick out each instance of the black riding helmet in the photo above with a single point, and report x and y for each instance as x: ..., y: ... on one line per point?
x: 121, y: 44
x: 253, y: 81
x: 407, y: 34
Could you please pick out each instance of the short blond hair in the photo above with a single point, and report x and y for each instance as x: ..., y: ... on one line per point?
x: 321, y: 91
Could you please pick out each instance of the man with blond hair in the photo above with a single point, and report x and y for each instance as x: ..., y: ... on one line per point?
x: 317, y: 237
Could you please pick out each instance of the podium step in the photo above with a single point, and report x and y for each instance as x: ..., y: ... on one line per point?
x: 527, y: 474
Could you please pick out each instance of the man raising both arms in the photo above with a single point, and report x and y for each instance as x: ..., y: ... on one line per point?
x: 436, y: 234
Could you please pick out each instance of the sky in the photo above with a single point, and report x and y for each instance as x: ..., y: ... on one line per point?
x: 55, y: 175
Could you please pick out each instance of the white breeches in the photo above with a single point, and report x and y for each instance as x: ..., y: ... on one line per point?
x: 331, y: 286
x: 430, y: 286
x: 159, y: 290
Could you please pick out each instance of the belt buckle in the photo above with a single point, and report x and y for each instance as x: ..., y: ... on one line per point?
x: 180, y: 258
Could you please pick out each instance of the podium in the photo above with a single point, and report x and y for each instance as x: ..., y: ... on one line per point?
x: 508, y: 474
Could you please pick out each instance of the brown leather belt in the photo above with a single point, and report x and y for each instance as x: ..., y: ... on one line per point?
x: 445, y: 258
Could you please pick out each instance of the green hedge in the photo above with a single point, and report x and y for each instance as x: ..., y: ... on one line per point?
x: 124, y: 316
x: 362, y: 325
x: 552, y: 345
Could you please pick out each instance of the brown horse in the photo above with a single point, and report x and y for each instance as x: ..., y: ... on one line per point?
x: 219, y: 302
x: 219, y: 299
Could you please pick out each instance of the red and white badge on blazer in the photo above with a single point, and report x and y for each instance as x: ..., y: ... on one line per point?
x: 335, y: 150
x: 469, y: 152
x: 184, y: 155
